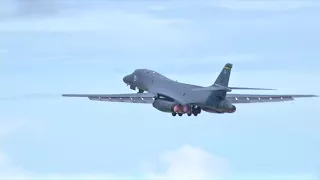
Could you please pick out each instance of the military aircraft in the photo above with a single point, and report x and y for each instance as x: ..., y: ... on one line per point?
x: 178, y: 98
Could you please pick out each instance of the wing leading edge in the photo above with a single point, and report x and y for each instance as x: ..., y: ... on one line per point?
x: 148, y: 98
x: 256, y: 98
x: 145, y: 98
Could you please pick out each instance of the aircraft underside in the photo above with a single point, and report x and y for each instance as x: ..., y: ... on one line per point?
x: 165, y: 104
x: 195, y: 110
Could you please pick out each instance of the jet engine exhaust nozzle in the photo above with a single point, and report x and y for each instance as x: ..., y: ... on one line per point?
x: 177, y: 108
x: 186, y: 109
x: 182, y: 109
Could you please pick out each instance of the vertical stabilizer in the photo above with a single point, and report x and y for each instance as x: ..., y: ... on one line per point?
x: 223, y: 78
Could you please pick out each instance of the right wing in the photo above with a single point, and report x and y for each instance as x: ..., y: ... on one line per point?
x: 146, y: 98
x: 256, y: 98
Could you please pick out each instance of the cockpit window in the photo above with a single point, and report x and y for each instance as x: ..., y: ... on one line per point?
x: 135, y: 78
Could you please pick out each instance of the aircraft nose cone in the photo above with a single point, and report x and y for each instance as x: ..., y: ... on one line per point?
x: 126, y: 79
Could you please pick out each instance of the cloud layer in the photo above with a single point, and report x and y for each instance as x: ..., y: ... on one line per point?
x: 190, y: 162
x: 263, y: 5
x: 187, y: 162
x: 7, y: 167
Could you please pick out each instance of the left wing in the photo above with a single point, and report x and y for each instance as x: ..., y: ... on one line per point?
x: 256, y: 98
x: 146, y: 98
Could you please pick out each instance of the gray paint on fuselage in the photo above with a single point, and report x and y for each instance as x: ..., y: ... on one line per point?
x: 164, y: 93
x: 155, y: 82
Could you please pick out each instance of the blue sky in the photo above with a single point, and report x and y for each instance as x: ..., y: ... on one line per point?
x: 56, y: 47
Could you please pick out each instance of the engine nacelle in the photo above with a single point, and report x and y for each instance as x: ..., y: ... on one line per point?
x: 226, y: 106
x: 163, y: 105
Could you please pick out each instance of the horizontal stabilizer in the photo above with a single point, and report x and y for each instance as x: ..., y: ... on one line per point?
x: 248, y: 88
x: 212, y: 88
x: 228, y: 89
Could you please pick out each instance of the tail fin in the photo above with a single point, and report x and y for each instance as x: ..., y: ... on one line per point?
x: 221, y: 85
x: 224, y: 76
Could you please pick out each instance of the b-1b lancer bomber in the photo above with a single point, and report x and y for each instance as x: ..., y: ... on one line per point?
x: 178, y: 98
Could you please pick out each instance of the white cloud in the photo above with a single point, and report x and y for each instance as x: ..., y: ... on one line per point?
x: 6, y: 166
x: 157, y: 8
x: 90, y: 21
x: 97, y: 21
x: 190, y: 162
x: 232, y: 58
x: 112, y: 29
x: 187, y: 162
x: 263, y: 5
x: 9, y: 126
x: 7, y: 169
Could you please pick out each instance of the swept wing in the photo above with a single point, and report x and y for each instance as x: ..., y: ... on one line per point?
x: 145, y: 98
x: 256, y: 98
x: 148, y: 98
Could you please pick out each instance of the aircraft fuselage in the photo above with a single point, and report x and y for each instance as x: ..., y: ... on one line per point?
x: 181, y: 93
